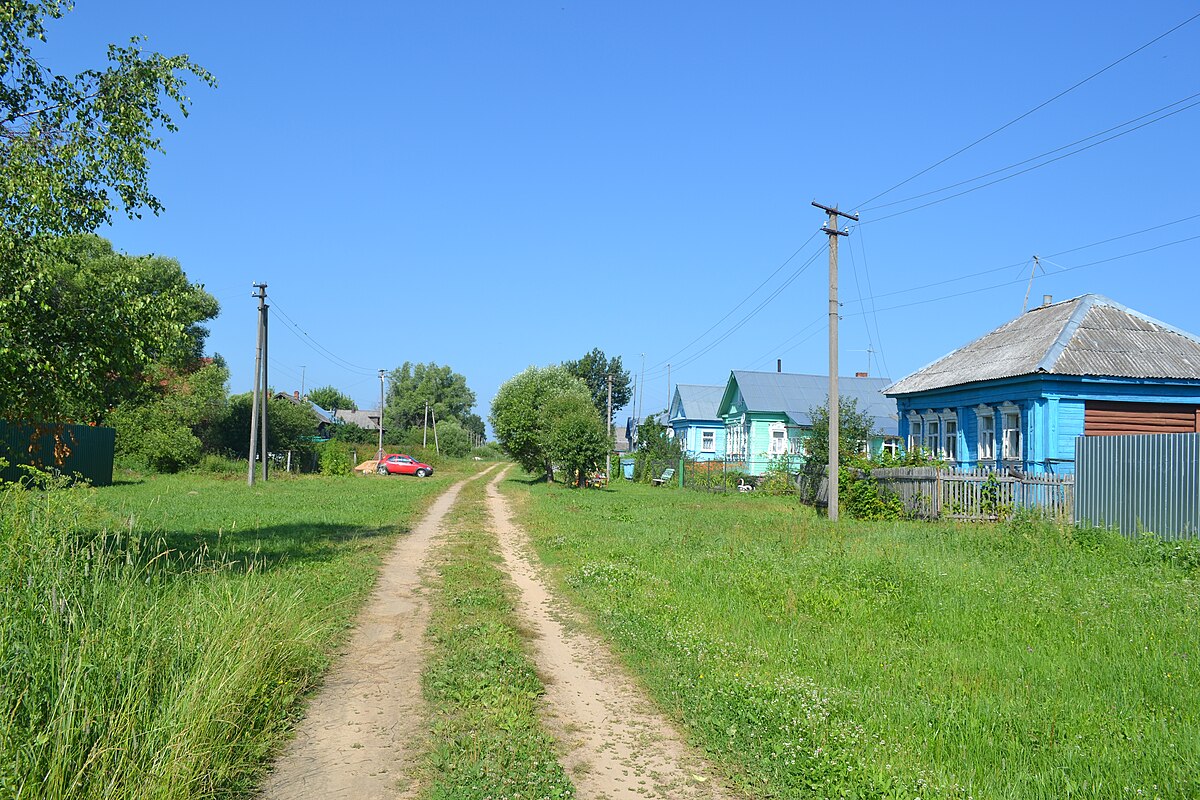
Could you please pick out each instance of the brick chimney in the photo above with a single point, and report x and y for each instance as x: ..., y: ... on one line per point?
x: 779, y: 365
x: 296, y: 395
x: 860, y: 374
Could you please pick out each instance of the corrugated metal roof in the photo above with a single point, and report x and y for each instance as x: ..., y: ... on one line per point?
x: 699, y: 402
x: 1088, y: 335
x: 795, y: 395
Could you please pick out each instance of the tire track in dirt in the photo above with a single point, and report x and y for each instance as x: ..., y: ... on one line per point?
x: 362, y: 729
x: 615, y: 744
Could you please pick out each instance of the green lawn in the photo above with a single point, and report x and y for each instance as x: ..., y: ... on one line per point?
x: 157, y: 635
x: 891, y: 659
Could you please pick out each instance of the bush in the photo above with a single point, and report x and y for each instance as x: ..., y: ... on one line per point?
x: 334, y: 459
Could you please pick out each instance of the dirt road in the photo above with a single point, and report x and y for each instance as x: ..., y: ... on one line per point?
x: 359, y: 734
x: 365, y: 727
x: 613, y: 742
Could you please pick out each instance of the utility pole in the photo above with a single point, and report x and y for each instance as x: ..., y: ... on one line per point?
x: 425, y: 427
x: 266, y: 392
x: 642, y: 387
x: 302, y: 370
x: 668, y: 388
x: 831, y: 228
x: 608, y: 427
x: 258, y: 362
x: 436, y: 449
x: 379, y: 454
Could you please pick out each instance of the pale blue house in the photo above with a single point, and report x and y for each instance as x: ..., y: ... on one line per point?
x: 767, y: 415
x: 1017, y: 397
x: 693, y: 417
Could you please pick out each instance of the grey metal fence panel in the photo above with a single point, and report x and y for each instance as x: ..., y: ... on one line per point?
x: 1140, y: 483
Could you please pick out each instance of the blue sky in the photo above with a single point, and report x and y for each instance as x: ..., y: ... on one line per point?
x: 492, y: 185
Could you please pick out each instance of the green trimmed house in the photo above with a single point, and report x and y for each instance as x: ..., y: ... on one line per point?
x: 767, y: 415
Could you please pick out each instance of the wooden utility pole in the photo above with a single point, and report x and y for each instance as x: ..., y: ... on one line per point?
x: 436, y: 448
x: 608, y: 427
x: 831, y: 228
x: 258, y: 382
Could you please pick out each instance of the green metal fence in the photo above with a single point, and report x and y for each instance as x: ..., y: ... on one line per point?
x: 74, y: 450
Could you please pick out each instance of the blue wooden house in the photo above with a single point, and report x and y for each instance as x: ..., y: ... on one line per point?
x: 1017, y: 397
x: 693, y: 417
x: 767, y: 414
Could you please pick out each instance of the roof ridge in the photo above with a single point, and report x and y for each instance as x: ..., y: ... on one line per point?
x: 1085, y: 304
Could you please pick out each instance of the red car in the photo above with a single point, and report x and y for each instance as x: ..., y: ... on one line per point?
x: 400, y: 464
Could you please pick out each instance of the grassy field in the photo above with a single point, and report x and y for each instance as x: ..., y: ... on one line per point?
x: 157, y: 635
x: 486, y: 739
x: 891, y: 659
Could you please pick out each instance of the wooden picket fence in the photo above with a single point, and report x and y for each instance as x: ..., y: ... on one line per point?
x: 975, y: 495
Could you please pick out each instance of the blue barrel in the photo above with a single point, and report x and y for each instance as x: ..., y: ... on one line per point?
x: 627, y: 468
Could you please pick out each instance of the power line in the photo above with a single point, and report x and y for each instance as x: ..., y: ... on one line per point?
x: 320, y: 349
x: 744, y: 300
x: 1029, y: 169
x: 1022, y: 264
x: 1047, y: 153
x: 1022, y: 278
x: 862, y: 245
x: 1038, y: 107
x: 737, y: 326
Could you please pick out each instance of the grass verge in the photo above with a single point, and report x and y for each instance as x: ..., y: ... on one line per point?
x: 157, y: 636
x: 891, y: 659
x: 486, y: 741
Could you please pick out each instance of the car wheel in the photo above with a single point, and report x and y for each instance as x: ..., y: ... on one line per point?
x: 382, y: 470
x: 421, y: 473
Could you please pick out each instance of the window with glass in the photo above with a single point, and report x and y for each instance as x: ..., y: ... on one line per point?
x: 891, y: 446
x: 933, y: 441
x: 987, y: 436
x: 1012, y: 435
x: 778, y: 439
x: 708, y: 441
x: 914, y: 434
x: 950, y: 449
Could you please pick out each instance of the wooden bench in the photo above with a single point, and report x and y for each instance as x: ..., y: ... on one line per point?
x: 668, y: 473
x: 597, y: 480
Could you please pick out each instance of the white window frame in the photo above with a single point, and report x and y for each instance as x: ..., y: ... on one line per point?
x: 1012, y: 438
x: 778, y: 442
x: 950, y: 437
x: 986, y: 414
x: 916, y: 432
x: 933, y: 435
x: 891, y: 445
x: 708, y: 441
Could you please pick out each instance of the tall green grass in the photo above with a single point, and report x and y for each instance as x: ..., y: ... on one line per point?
x: 157, y: 636
x: 892, y: 659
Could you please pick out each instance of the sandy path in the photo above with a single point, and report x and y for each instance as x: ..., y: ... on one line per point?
x: 361, y: 729
x: 615, y: 744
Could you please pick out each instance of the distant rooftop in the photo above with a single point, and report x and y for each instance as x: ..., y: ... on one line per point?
x: 795, y: 395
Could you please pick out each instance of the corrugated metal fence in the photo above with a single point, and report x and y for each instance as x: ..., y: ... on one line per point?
x: 68, y: 449
x: 1140, y: 483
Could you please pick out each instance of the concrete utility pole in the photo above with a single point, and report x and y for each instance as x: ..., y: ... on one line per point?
x: 379, y: 454
x: 258, y: 382
x: 425, y: 427
x: 266, y: 391
x: 831, y: 228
